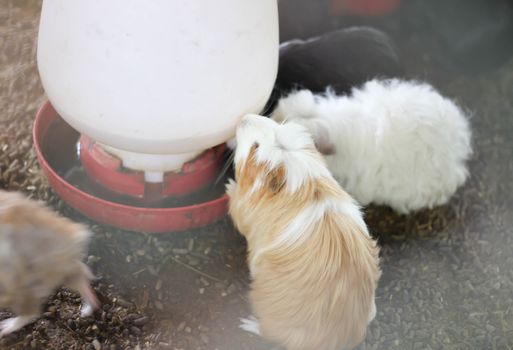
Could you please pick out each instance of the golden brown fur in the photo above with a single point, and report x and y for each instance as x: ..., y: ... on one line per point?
x: 318, y: 292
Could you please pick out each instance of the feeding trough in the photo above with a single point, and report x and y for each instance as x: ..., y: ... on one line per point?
x: 143, y: 97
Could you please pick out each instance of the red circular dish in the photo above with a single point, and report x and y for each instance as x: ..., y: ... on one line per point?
x: 108, y: 171
x: 151, y: 220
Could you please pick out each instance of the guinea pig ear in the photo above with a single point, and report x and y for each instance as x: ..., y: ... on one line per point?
x: 276, y: 180
x: 322, y: 140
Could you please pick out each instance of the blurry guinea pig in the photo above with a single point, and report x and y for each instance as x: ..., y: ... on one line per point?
x: 313, y: 264
x: 39, y: 251
x: 393, y: 142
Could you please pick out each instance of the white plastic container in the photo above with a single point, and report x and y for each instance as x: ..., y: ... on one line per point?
x: 157, y: 81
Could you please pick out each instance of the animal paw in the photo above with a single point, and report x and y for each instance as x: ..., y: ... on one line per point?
x: 250, y: 325
x: 230, y: 187
x: 13, y: 324
x: 86, y: 310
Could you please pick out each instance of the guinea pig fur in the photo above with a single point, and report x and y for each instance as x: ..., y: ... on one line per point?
x: 39, y: 251
x: 341, y: 59
x: 314, y: 266
x: 392, y: 142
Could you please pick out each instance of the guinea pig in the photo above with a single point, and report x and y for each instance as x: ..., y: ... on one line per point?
x: 340, y: 59
x: 39, y: 251
x: 313, y: 264
x: 392, y: 142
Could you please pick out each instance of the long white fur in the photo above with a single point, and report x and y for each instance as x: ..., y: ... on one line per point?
x: 397, y: 143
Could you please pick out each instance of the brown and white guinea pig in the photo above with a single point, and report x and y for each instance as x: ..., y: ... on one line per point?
x: 313, y: 264
x: 39, y: 251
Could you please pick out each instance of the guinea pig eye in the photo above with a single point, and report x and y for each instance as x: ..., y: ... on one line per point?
x: 254, y: 147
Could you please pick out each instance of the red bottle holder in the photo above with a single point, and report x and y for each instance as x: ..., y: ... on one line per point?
x: 108, y: 171
x: 142, y: 219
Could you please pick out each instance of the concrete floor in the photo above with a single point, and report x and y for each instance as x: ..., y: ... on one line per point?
x: 447, y: 273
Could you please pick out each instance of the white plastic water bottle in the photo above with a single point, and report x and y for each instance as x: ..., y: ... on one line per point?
x: 156, y: 82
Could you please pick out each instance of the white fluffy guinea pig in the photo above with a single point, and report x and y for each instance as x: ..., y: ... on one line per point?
x: 392, y: 142
x: 313, y: 264
x: 39, y: 251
